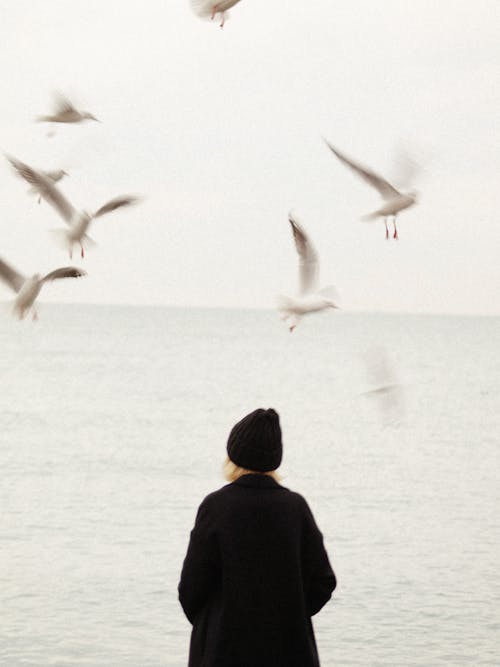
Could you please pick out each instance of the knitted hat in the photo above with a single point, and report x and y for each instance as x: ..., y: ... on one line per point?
x: 255, y: 442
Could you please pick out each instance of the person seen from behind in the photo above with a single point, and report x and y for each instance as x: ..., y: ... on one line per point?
x: 256, y: 570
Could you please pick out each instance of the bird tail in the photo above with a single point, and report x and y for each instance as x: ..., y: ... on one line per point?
x: 205, y: 8
x: 284, y: 304
x: 61, y: 238
x: 202, y: 8
x: 370, y: 217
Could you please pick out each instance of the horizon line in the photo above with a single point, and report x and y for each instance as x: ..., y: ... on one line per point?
x: 251, y: 308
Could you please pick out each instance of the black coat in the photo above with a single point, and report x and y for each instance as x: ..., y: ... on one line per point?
x: 255, y: 572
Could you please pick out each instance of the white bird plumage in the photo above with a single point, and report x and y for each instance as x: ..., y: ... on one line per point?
x: 27, y: 289
x: 210, y: 8
x: 310, y: 299
x: 395, y: 201
x: 78, y: 221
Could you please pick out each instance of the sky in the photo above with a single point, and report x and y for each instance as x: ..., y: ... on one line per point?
x: 221, y: 133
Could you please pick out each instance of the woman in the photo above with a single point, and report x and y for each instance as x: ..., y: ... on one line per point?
x: 256, y: 569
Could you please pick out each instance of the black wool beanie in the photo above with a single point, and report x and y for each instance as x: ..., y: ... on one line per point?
x: 255, y: 442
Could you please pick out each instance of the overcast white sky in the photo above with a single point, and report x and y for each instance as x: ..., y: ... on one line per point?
x: 221, y: 132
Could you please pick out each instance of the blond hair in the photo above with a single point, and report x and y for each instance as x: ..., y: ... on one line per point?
x: 232, y: 472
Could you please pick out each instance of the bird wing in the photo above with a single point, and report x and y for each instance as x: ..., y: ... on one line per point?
x: 10, y: 276
x: 46, y: 189
x: 62, y: 104
x: 117, y: 202
x: 64, y: 272
x: 308, y: 257
x: 388, y: 389
x: 386, y: 190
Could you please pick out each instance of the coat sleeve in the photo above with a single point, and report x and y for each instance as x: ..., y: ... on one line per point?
x: 319, y: 578
x: 200, y: 571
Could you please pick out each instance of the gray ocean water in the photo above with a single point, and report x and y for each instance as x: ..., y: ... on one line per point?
x: 113, y: 428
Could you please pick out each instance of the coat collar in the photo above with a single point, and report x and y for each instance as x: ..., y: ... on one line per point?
x: 257, y: 481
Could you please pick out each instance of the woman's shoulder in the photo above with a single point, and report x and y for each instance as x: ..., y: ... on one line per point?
x: 224, y: 493
x: 214, y: 497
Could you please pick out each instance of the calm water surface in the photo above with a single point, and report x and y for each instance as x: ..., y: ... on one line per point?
x: 113, y: 428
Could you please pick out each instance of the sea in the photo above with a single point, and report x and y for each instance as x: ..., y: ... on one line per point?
x: 113, y: 426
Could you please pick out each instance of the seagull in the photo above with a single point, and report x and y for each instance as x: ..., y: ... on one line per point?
x: 209, y: 8
x: 55, y: 177
x: 65, y: 112
x: 78, y: 221
x: 388, y: 391
x: 27, y: 289
x: 395, y: 201
x: 311, y: 299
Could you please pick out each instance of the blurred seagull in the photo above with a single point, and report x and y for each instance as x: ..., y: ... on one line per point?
x: 209, y: 8
x: 27, y: 289
x: 78, y: 221
x: 395, y: 201
x: 65, y: 112
x: 311, y: 299
x: 380, y: 371
x: 388, y: 391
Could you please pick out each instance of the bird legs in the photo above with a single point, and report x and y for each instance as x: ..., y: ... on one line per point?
x: 293, y: 317
x: 215, y: 9
x: 395, y: 235
x: 294, y: 320
x: 82, y: 251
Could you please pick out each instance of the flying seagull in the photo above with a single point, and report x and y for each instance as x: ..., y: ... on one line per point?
x: 55, y: 177
x: 209, y: 8
x: 388, y: 391
x: 27, y: 289
x: 78, y: 221
x: 65, y: 112
x: 311, y: 299
x: 395, y: 201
